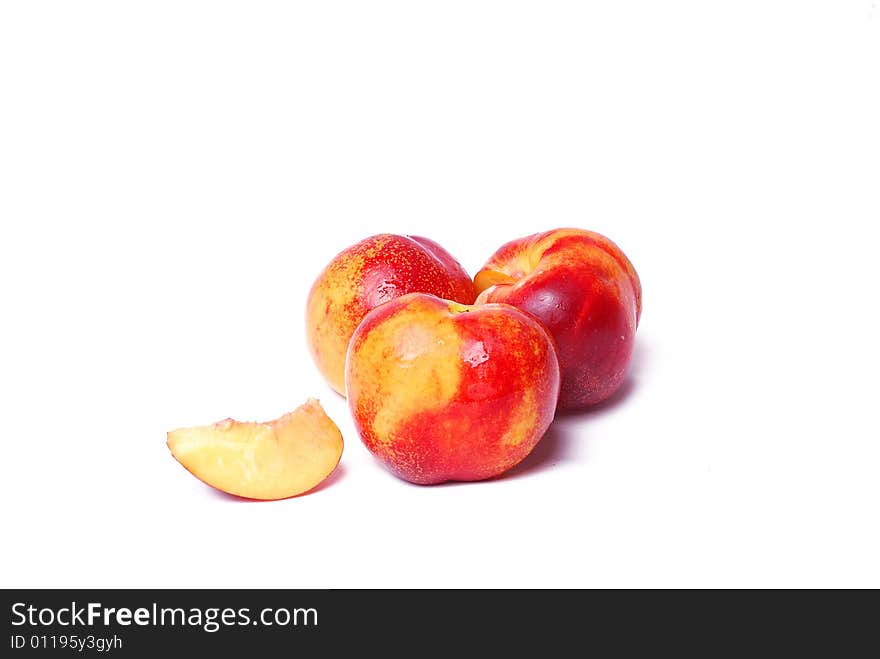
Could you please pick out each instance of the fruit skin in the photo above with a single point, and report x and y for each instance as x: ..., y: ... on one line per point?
x: 441, y: 391
x: 272, y: 460
x: 367, y: 274
x: 585, y: 291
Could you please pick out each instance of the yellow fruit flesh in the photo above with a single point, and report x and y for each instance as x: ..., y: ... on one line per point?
x: 272, y: 460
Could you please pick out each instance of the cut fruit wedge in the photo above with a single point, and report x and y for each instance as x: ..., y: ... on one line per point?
x: 272, y: 460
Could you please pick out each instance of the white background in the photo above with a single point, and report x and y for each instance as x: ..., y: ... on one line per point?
x: 173, y: 175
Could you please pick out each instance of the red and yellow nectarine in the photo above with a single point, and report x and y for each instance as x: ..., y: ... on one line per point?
x: 365, y: 275
x: 441, y: 391
x: 583, y: 288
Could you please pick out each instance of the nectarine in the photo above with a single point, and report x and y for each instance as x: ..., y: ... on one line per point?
x: 588, y: 295
x: 441, y: 391
x: 272, y: 460
x: 365, y: 275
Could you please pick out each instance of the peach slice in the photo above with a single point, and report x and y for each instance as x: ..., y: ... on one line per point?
x: 272, y: 460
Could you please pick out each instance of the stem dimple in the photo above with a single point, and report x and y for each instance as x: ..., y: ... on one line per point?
x: 487, y: 278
